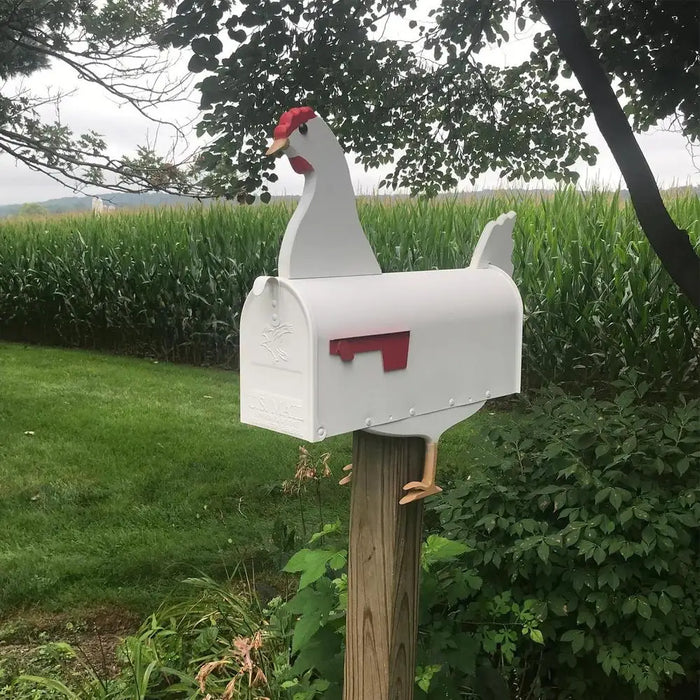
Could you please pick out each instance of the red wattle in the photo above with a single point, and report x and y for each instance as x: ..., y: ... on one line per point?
x: 300, y: 165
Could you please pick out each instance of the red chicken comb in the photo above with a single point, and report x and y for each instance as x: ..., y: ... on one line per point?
x: 291, y: 119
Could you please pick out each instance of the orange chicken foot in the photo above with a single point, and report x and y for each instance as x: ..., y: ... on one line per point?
x: 426, y: 487
x: 346, y: 479
x: 416, y: 489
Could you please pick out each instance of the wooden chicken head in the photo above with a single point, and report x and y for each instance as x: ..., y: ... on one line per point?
x: 324, y: 237
x: 305, y: 138
x: 289, y: 137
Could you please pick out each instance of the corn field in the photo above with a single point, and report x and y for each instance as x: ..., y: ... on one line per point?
x: 170, y: 283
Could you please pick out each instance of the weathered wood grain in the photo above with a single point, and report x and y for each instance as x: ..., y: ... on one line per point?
x: 384, y: 565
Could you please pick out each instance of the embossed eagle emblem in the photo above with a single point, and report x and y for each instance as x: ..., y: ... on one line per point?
x: 273, y: 339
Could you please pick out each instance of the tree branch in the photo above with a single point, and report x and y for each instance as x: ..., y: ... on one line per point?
x: 119, y: 55
x: 671, y: 244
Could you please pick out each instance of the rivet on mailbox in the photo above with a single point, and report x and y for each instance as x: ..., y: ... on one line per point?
x: 332, y: 341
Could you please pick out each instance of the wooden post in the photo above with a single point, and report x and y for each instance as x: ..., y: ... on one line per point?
x: 383, y: 569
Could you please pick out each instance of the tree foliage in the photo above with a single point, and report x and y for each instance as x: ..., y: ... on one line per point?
x: 107, y: 43
x: 432, y: 104
x: 426, y: 101
x: 652, y: 49
x: 32, y: 209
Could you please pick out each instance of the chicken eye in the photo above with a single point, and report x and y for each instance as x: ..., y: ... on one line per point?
x: 303, y: 128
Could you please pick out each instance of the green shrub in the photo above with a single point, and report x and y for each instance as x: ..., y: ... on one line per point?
x: 590, y: 514
x: 313, y: 622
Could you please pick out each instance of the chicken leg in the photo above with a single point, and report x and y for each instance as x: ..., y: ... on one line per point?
x: 416, y: 489
x: 427, y: 486
x: 346, y: 479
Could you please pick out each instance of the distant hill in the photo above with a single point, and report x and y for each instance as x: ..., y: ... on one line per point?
x: 120, y: 200
x: 123, y: 200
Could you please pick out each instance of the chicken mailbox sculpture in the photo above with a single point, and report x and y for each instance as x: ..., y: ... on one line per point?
x: 332, y: 345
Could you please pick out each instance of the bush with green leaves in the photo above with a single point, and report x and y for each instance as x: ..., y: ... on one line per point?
x: 588, y: 515
x: 316, y: 618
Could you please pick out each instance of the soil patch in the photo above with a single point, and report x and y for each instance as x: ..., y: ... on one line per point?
x: 93, y: 633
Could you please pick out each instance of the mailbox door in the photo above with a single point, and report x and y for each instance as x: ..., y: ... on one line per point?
x: 277, y: 363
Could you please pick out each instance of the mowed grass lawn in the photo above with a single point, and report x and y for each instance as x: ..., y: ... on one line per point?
x: 119, y: 477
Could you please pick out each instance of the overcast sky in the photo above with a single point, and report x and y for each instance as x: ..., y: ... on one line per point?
x: 124, y: 129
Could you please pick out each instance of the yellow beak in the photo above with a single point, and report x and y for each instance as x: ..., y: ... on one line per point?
x: 277, y: 146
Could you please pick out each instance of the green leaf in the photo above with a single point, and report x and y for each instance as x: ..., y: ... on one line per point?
x: 311, y: 563
x: 627, y: 550
x: 602, y: 450
x: 424, y: 675
x: 640, y: 513
x: 629, y: 445
x: 577, y: 639
x: 543, y: 552
x: 602, y: 495
x: 665, y: 604
x: 560, y: 500
x: 670, y: 431
x: 608, y: 576
x: 197, y: 63
x: 338, y: 560
x: 674, y: 592
x: 306, y: 626
x: 558, y: 605
x: 644, y: 609
x: 625, y: 399
x: 615, y: 499
x: 319, y: 600
x: 328, y: 529
x: 205, y: 639
x: 629, y: 606
x: 51, y: 684
x: 536, y: 636
x: 586, y: 440
x: 322, y: 652
x: 439, y: 549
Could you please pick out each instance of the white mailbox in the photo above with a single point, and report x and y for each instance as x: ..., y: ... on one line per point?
x: 323, y: 357
x: 332, y: 345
